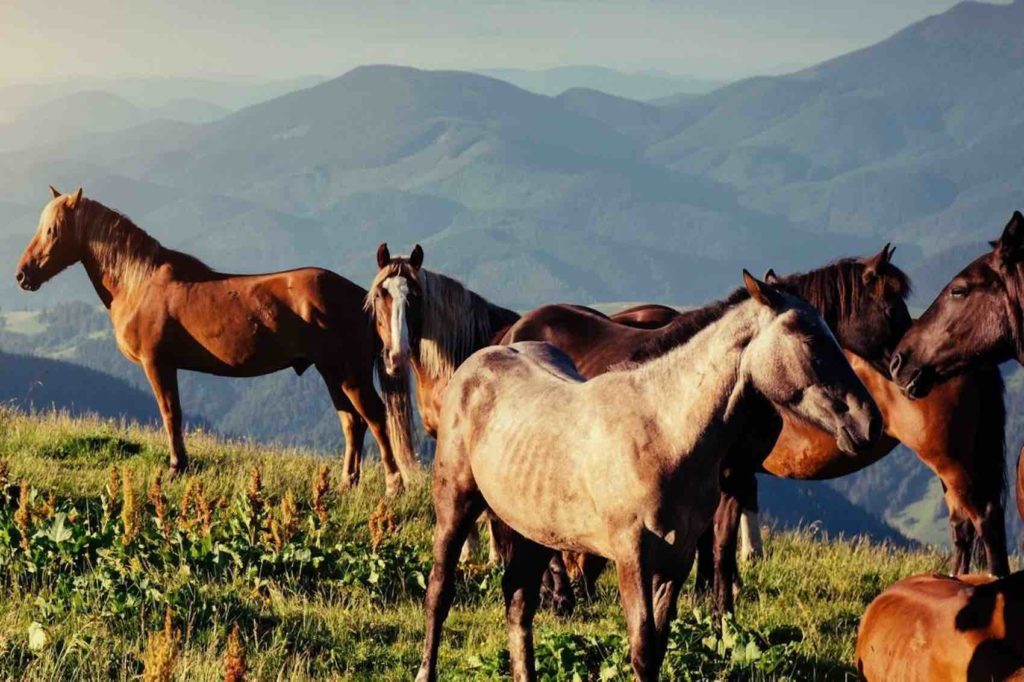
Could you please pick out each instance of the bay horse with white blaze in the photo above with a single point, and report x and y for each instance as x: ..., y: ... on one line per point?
x: 622, y: 465
x: 170, y: 311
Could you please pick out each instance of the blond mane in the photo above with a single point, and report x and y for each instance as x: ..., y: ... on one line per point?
x: 121, y: 249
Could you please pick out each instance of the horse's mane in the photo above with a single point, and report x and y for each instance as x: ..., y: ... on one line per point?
x: 834, y: 290
x: 456, y: 321
x: 123, y: 249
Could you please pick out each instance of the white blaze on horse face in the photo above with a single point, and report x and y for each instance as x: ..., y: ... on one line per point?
x: 398, y: 289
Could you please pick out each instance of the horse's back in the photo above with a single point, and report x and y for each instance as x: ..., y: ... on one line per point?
x: 934, y: 628
x: 594, y: 341
x: 646, y: 316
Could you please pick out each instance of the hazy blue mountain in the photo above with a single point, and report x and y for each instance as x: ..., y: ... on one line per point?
x: 639, y: 85
x: 906, y: 137
x: 32, y: 383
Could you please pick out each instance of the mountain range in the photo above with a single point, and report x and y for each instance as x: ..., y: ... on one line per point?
x: 539, y: 196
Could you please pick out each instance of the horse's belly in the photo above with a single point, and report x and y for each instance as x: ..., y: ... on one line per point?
x: 538, y: 492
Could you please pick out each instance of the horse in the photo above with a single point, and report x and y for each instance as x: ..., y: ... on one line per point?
x: 935, y: 628
x: 646, y: 316
x: 861, y: 300
x: 977, y: 318
x: 622, y: 465
x: 170, y: 311
x: 957, y: 432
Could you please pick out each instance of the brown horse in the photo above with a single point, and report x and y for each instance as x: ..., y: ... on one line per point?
x: 978, y: 318
x: 933, y: 628
x: 646, y: 316
x: 622, y: 465
x: 170, y: 311
x: 958, y: 434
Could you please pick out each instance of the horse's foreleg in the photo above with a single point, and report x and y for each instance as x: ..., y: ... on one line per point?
x: 164, y: 381
x: 521, y: 588
x: 635, y: 593
x: 726, y: 524
x: 751, y: 544
x: 354, y: 430
x: 665, y: 597
x: 992, y: 531
x: 371, y: 409
x: 704, y: 581
x: 456, y: 512
x: 961, y: 531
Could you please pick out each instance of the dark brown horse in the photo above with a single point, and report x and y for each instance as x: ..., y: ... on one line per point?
x: 978, y: 318
x: 958, y: 435
x: 171, y: 312
x: 933, y: 628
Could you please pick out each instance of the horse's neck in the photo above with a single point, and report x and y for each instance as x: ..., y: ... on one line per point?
x: 112, y: 268
x: 701, y: 384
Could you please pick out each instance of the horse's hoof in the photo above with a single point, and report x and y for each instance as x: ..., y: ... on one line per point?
x: 393, y: 488
x: 173, y: 472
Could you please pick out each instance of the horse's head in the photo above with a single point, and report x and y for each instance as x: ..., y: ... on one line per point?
x: 395, y: 301
x: 796, y: 363
x: 55, y: 245
x: 975, y: 319
x: 863, y: 301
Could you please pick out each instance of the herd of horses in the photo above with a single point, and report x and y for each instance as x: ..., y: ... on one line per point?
x: 633, y: 437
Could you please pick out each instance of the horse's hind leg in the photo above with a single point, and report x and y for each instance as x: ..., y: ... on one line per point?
x: 354, y: 429
x: 369, y: 406
x: 456, y: 511
x: 521, y: 587
x: 164, y: 381
x: 556, y: 587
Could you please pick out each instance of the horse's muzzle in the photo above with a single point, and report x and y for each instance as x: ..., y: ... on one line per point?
x: 916, y: 382
x: 860, y: 429
x: 25, y: 279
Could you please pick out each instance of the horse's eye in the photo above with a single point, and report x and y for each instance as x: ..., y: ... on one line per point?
x: 958, y: 292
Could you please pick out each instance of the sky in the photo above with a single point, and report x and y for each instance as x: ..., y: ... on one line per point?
x: 273, y: 38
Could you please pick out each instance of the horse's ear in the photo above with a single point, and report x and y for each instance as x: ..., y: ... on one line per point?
x: 1010, y: 246
x: 416, y: 257
x: 770, y: 277
x: 873, y: 265
x: 54, y: 191
x: 383, y: 255
x: 761, y: 292
x: 75, y: 199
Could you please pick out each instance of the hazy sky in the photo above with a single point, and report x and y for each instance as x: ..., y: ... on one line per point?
x: 271, y: 38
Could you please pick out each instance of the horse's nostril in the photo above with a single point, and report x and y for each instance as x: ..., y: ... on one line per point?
x: 20, y: 276
x: 895, y: 363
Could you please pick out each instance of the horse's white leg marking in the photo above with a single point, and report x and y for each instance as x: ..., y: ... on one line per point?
x: 751, y: 547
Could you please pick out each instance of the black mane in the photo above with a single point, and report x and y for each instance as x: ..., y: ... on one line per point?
x: 834, y: 290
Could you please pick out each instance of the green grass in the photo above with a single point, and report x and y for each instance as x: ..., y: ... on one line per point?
x: 338, y: 621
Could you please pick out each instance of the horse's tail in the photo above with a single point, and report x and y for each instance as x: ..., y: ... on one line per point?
x: 990, y: 441
x: 398, y: 406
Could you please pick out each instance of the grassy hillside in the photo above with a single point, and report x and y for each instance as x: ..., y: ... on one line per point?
x: 329, y: 584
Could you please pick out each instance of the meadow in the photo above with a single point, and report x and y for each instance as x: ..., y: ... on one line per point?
x: 258, y: 566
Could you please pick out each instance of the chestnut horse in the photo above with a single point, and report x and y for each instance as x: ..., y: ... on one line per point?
x: 622, y: 465
x: 934, y: 628
x: 978, y: 318
x: 170, y: 311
